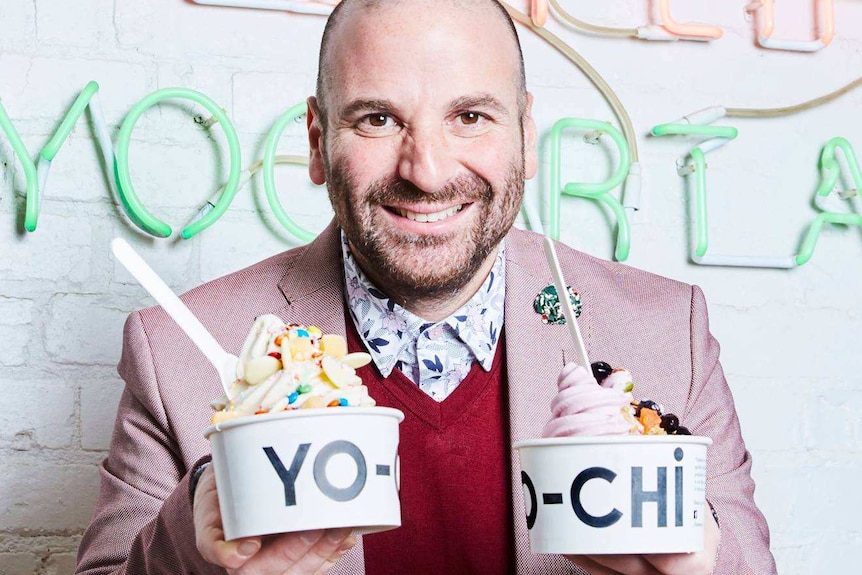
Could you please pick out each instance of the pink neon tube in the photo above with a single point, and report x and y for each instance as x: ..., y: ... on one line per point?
x: 539, y: 12
x: 686, y: 29
x: 766, y: 19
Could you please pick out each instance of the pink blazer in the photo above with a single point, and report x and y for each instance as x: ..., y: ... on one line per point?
x: 654, y: 326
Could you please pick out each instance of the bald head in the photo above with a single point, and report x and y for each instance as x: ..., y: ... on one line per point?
x: 487, y: 13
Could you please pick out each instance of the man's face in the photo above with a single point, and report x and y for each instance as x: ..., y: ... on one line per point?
x: 424, y: 152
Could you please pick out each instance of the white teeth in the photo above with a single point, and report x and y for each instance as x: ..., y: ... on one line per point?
x: 432, y: 217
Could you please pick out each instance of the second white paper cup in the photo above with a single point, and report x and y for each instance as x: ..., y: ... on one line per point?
x: 614, y: 494
x: 308, y: 469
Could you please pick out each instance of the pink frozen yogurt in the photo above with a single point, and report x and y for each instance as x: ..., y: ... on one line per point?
x: 583, y: 407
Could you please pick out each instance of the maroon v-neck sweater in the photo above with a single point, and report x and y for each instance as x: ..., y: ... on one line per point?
x: 456, y: 505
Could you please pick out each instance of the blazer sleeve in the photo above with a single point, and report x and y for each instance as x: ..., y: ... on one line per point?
x: 744, y: 543
x: 143, y: 518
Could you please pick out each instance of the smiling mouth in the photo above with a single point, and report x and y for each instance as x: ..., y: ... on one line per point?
x: 428, y: 216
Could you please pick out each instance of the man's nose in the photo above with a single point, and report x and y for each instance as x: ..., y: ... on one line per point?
x: 426, y: 160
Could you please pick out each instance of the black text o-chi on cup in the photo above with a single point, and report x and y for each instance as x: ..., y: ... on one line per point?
x: 614, y: 494
x: 308, y: 469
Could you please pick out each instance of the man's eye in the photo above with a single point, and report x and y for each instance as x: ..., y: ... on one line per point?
x: 377, y: 124
x: 377, y: 120
x: 469, y: 118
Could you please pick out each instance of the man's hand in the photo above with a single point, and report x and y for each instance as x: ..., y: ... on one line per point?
x: 699, y: 563
x: 286, y: 554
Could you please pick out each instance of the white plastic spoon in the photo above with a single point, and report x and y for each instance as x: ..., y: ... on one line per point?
x: 565, y: 303
x: 223, y: 362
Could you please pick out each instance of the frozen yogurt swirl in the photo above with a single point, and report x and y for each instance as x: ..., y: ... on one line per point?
x: 583, y: 407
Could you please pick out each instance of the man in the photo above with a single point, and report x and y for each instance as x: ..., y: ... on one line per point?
x: 421, y: 129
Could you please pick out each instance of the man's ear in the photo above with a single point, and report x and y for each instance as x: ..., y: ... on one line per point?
x: 531, y: 156
x: 315, y: 143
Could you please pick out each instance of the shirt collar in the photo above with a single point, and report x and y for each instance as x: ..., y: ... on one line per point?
x: 477, y: 324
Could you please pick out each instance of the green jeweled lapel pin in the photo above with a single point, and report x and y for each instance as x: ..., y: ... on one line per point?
x: 547, y: 304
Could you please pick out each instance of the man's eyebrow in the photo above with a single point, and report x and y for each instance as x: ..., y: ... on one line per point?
x: 366, y: 105
x: 473, y: 101
x: 486, y: 101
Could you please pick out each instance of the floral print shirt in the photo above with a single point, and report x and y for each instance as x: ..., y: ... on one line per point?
x: 435, y: 356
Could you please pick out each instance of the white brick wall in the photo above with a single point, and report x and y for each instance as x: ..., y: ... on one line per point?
x: 789, y: 338
x: 18, y: 563
x: 60, y: 251
x: 14, y: 332
x: 44, y: 414
x: 49, y: 496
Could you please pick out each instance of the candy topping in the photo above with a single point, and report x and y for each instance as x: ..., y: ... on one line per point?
x: 285, y: 367
x: 601, y: 370
x: 581, y: 407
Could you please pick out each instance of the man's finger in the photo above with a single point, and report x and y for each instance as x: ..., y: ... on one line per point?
x: 209, y: 534
x: 590, y: 566
x: 235, y: 554
x: 615, y: 564
x: 320, y: 554
x: 698, y: 563
x: 229, y: 554
x: 346, y: 546
x: 281, y: 552
x: 302, y: 552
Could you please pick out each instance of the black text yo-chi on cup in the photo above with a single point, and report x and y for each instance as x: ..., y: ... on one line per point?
x: 308, y: 469
x: 614, y: 494
x: 612, y: 475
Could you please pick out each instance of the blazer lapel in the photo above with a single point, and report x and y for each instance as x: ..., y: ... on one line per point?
x: 534, y: 358
x: 314, y: 285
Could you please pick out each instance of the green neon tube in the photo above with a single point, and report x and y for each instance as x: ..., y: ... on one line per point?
x: 700, y: 202
x: 136, y: 211
x: 31, y: 210
x: 269, y: 173
x: 59, y: 138
x: 807, y: 249
x: 621, y: 253
x: 831, y: 167
x: 556, y: 190
x: 832, y: 171
x: 671, y: 129
x: 594, y: 191
x: 31, y: 215
x: 699, y: 158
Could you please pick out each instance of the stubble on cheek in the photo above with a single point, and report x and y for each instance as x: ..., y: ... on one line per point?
x: 426, y: 266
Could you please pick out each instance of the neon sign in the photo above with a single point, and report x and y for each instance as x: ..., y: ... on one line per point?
x: 697, y: 125
x: 120, y: 179
x: 765, y: 10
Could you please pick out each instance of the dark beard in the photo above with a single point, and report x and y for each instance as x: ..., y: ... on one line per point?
x: 382, y: 253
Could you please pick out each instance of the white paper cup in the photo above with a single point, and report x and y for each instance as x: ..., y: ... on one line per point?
x: 308, y: 469
x: 615, y: 494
